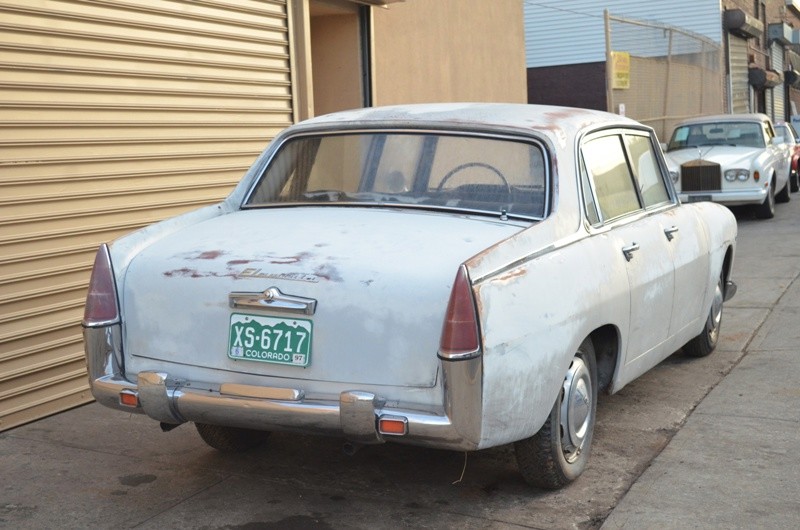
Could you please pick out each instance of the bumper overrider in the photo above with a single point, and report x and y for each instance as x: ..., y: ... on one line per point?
x: 359, y: 416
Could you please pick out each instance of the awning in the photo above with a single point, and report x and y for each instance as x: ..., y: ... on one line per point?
x: 792, y: 78
x: 740, y: 23
x: 761, y: 78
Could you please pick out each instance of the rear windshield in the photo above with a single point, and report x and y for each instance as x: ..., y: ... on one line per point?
x: 427, y: 170
x: 739, y: 134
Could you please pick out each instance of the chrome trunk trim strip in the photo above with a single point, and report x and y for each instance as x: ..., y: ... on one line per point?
x: 273, y: 298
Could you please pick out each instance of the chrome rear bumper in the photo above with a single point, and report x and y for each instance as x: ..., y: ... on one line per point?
x: 354, y: 414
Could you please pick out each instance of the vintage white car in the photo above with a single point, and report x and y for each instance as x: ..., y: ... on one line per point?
x: 733, y: 159
x: 456, y: 276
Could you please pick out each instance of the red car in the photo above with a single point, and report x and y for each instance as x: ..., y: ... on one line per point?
x: 788, y: 136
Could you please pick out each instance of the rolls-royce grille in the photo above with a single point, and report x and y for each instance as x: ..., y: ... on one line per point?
x: 700, y: 175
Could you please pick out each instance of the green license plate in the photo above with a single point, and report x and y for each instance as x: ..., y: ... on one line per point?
x: 270, y: 339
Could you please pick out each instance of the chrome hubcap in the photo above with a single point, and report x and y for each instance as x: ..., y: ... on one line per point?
x: 576, y: 409
x: 715, y: 317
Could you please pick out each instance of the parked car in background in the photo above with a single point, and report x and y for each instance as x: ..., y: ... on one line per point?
x: 732, y: 159
x: 790, y: 141
x: 455, y: 276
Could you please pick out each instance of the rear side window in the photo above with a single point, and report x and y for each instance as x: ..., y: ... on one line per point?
x: 622, y: 175
x: 609, y: 171
x: 646, y: 169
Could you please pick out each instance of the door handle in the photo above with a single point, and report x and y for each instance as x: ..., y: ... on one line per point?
x: 629, y: 250
x: 669, y: 232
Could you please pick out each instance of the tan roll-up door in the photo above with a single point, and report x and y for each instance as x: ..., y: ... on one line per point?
x: 114, y: 114
x: 739, y: 85
x: 779, y: 92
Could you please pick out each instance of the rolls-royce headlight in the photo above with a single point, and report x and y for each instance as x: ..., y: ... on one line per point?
x: 674, y: 175
x: 732, y: 175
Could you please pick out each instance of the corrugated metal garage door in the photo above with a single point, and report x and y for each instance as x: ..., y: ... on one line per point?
x: 778, y: 92
x: 740, y: 87
x: 114, y: 114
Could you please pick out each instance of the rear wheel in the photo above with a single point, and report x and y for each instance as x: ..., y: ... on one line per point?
x: 794, y: 180
x: 706, y: 341
x: 230, y: 439
x: 558, y: 453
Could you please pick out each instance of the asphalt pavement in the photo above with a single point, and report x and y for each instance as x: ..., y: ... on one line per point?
x: 729, y: 462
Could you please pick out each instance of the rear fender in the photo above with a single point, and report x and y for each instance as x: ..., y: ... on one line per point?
x: 533, y: 318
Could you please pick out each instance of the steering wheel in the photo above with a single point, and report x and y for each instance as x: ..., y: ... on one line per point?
x: 468, y: 165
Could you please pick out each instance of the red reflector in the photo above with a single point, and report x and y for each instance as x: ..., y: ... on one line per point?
x: 460, y: 329
x: 101, y: 299
x: 396, y: 426
x: 129, y: 399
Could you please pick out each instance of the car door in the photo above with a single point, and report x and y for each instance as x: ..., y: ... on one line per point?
x: 684, y: 235
x: 688, y: 246
x: 630, y: 217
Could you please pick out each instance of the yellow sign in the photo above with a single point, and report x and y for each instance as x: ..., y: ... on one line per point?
x: 620, y: 70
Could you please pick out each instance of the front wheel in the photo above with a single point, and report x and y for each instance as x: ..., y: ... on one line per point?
x: 794, y: 180
x: 558, y: 453
x: 766, y: 210
x: 703, y: 344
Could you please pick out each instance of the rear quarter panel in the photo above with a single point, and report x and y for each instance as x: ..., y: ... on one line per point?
x: 533, y: 317
x: 720, y: 225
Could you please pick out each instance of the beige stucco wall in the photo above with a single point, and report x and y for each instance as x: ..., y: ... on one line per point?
x: 449, y: 50
x: 336, y: 59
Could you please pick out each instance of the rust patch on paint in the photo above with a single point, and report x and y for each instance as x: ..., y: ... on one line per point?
x: 288, y: 260
x: 512, y: 274
x: 328, y: 272
x: 194, y: 273
x: 183, y: 273
x: 209, y: 254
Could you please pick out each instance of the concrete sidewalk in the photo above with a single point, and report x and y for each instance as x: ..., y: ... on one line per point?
x: 735, y: 463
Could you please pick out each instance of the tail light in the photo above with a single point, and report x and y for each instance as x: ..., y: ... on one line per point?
x: 460, y: 331
x: 101, y: 301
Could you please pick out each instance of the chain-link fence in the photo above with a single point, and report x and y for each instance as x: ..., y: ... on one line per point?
x: 661, y: 74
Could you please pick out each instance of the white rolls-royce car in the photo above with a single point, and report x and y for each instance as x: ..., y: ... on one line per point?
x: 732, y: 159
x: 455, y: 276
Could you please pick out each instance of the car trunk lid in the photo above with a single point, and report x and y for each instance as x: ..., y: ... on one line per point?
x: 380, y: 280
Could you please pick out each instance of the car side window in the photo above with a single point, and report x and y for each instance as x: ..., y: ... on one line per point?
x: 647, y: 171
x: 608, y: 168
x: 768, y: 131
